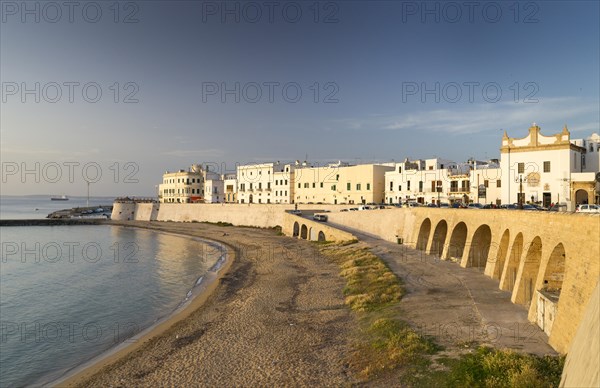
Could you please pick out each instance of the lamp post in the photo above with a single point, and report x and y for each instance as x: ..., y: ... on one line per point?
x: 520, y: 180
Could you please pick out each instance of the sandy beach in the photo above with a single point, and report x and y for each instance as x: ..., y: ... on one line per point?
x: 276, y: 317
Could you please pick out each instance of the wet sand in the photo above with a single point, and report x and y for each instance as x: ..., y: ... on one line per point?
x: 276, y: 317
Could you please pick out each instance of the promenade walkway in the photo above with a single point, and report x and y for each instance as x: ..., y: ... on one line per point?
x: 456, y: 305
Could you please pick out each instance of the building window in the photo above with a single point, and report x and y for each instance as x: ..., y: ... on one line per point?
x: 321, y: 184
x: 298, y: 185
x: 399, y: 169
x: 306, y: 185
x: 547, y: 166
x: 314, y: 185
x: 348, y: 186
x: 391, y: 186
x: 486, y: 183
x: 337, y: 177
x: 358, y: 187
x: 408, y: 185
x: 591, y: 147
x: 521, y: 168
x: 286, y: 181
x: 399, y: 187
x: 582, y: 161
x: 431, y: 167
x: 368, y: 186
x: 333, y: 187
x: 498, y: 183
x: 420, y: 186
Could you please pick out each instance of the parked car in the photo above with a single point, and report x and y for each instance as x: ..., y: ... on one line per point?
x: 296, y: 212
x: 529, y: 207
x: 508, y: 206
x: 344, y: 210
x: 459, y: 205
x: 490, y: 206
x: 444, y: 205
x: 353, y: 209
x: 412, y: 204
x: 558, y: 207
x: 320, y: 217
x: 587, y: 208
x: 432, y: 205
x: 475, y: 205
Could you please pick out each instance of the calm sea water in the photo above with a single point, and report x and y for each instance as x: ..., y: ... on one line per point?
x: 39, y: 206
x: 68, y: 293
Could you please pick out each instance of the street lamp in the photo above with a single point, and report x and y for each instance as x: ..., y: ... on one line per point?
x: 520, y: 181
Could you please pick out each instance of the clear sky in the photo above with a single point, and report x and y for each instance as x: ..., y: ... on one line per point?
x: 185, y: 82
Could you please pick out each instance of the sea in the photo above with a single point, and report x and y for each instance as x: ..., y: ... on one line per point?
x: 71, y: 293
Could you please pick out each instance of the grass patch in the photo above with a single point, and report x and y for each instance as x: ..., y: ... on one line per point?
x: 372, y: 291
x: 220, y: 223
x: 388, y: 350
x: 488, y: 367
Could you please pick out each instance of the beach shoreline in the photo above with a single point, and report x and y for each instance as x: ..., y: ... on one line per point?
x: 274, y: 315
x: 200, y: 294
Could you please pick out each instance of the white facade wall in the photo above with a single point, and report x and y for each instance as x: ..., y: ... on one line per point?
x: 283, y: 186
x: 542, y: 165
x: 214, y: 191
x: 256, y: 182
x: 419, y: 181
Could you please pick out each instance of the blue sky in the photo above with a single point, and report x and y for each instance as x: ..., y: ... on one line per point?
x: 364, y: 69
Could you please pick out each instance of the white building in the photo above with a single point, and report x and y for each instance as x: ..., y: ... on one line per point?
x: 214, y: 188
x: 257, y: 183
x: 547, y: 169
x: 283, y: 187
x: 440, y: 180
x: 423, y: 181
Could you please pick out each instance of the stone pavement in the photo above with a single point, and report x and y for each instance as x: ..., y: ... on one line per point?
x: 456, y: 305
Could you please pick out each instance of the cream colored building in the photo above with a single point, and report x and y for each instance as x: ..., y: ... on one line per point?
x: 230, y: 187
x: 265, y: 183
x: 340, y: 184
x: 547, y: 169
x: 182, y: 186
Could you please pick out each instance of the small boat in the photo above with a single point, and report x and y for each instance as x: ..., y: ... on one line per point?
x: 61, y: 198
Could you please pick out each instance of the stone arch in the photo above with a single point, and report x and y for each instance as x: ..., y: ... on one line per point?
x: 321, y: 236
x: 439, y: 238
x: 509, y: 274
x: 304, y: 232
x: 545, y: 307
x: 555, y: 270
x: 581, y: 196
x: 530, y: 268
x: 501, y: 255
x: 296, y: 229
x: 457, y: 242
x: 480, y: 247
x: 423, y: 236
